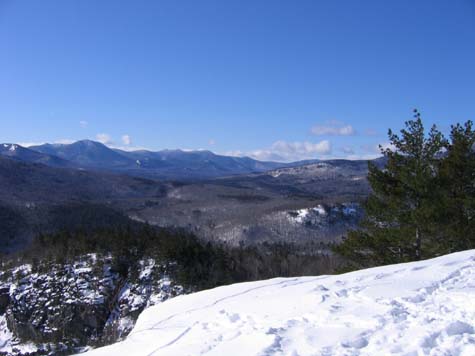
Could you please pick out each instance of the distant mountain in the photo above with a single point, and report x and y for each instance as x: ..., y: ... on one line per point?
x: 29, y: 183
x: 23, y: 154
x: 87, y: 154
x: 198, y: 164
x: 166, y: 164
x: 35, y: 197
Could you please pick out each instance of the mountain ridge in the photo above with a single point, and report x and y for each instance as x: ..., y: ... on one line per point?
x: 170, y: 164
x: 20, y: 153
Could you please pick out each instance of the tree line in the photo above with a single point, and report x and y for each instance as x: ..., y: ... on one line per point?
x: 197, y: 264
x: 422, y: 202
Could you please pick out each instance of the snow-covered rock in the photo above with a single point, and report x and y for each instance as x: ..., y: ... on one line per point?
x: 63, y: 308
x: 421, y: 308
x: 320, y: 216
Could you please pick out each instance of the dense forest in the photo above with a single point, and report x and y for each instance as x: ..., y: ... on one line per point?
x: 197, y: 264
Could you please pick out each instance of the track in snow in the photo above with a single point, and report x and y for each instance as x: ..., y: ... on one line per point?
x: 413, y: 309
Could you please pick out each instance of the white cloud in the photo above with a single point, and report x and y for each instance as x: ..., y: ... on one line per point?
x: 288, y: 151
x: 126, y: 140
x: 104, y: 138
x: 211, y: 142
x: 83, y: 124
x: 333, y: 128
x: 354, y: 157
x: 375, y: 148
x: 387, y: 145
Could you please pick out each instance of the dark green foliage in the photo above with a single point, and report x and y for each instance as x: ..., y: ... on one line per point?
x: 195, y: 264
x: 12, y: 223
x: 399, y: 210
x: 85, y: 216
x: 422, y: 202
x: 457, y: 187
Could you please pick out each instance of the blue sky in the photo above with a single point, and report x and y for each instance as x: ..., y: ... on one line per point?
x: 271, y: 79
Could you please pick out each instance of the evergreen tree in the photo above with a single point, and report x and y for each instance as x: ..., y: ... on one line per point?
x: 457, y: 182
x: 399, y: 218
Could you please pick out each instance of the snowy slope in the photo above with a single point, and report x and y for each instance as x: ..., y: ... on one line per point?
x: 413, y: 309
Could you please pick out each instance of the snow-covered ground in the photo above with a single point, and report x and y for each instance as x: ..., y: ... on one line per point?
x: 413, y: 309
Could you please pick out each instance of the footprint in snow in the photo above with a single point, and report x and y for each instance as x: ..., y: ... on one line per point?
x: 320, y: 288
x: 357, y: 343
x: 418, y: 268
x: 343, y: 293
x: 459, y: 328
x: 430, y: 341
x: 234, y: 317
x: 335, y: 307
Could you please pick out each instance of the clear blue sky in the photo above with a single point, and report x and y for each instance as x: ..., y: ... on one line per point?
x: 273, y: 79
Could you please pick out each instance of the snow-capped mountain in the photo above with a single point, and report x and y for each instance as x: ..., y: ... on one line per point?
x: 420, y: 308
x: 23, y: 154
x: 86, y: 153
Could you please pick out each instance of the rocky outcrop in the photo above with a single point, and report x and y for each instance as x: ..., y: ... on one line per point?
x: 62, y: 309
x: 4, y: 299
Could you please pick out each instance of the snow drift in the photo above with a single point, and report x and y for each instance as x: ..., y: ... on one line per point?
x: 411, y: 309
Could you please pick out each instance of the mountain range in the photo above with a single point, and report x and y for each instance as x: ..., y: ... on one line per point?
x: 20, y: 153
x: 166, y: 164
x: 231, y: 199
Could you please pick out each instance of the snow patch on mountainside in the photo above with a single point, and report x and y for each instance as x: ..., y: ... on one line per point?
x: 412, y: 309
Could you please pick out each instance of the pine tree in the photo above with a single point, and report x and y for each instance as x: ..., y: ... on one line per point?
x: 399, y: 218
x: 457, y: 182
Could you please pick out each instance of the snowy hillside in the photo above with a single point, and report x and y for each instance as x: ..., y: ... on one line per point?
x: 423, y: 308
